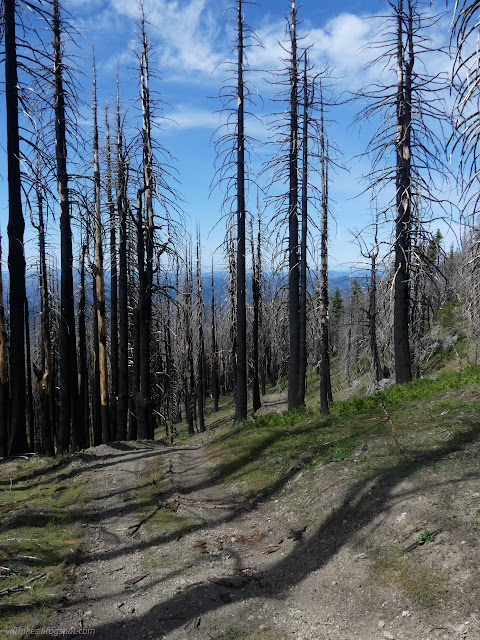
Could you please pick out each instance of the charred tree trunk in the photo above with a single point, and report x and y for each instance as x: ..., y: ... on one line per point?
x: 99, y: 277
x: 31, y: 416
x: 293, y: 265
x: 401, y: 323
x: 325, y: 385
x: 113, y: 289
x: 16, y: 226
x: 302, y: 351
x: 255, y: 328
x: 146, y: 299
x: 139, y: 335
x: 45, y: 372
x: 372, y: 317
x: 122, y: 414
x: 4, y: 404
x: 190, y: 377
x: 232, y: 383
x: 96, y: 391
x: 201, y: 343
x: 241, y: 311
x: 68, y: 427
x: 214, y: 361
x: 84, y: 412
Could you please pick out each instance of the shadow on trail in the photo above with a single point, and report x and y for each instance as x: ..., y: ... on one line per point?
x: 363, y: 501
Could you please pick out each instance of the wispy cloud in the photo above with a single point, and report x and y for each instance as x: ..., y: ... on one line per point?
x: 190, y: 34
x: 184, y: 116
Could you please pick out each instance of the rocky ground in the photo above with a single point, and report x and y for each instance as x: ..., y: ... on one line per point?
x: 322, y: 559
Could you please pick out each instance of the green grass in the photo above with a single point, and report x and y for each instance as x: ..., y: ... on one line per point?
x: 235, y: 633
x: 41, y: 517
x: 263, y: 454
x: 419, y: 583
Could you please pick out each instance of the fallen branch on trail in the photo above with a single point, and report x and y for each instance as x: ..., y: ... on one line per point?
x: 23, y: 587
x: 23, y: 456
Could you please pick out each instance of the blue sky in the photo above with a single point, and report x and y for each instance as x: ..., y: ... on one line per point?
x: 193, y: 38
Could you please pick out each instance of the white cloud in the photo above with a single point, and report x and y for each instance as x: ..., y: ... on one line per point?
x: 189, y: 33
x: 185, y: 116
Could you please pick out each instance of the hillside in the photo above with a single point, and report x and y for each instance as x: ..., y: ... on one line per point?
x: 291, y: 527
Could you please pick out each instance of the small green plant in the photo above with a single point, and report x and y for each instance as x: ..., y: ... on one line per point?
x: 426, y: 536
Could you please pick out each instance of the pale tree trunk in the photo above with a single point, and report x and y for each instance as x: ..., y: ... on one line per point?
x: 99, y: 278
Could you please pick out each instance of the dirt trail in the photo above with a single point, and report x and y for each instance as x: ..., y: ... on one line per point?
x: 233, y: 566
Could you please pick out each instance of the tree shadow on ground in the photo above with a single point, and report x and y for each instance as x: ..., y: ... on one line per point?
x: 362, y: 502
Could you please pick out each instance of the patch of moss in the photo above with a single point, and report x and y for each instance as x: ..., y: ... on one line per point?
x: 421, y: 583
x: 235, y: 633
x: 40, y: 535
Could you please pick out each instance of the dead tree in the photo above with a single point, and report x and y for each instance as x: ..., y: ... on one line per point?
x: 214, y: 352
x: 4, y: 391
x: 325, y: 382
x: 113, y: 283
x: 68, y: 427
x: 122, y: 207
x: 406, y: 100
x: 17, y: 442
x: 100, y: 310
x: 44, y: 372
x: 293, y: 258
x: 201, y: 342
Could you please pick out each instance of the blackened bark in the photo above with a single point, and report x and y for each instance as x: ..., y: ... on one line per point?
x: 302, y: 349
x: 372, y: 317
x: 96, y: 393
x: 231, y: 383
x: 44, y: 373
x: 255, y: 328
x: 190, y: 377
x: 31, y: 416
x: 146, y: 425
x: 83, y: 404
x: 4, y: 399
x: 325, y: 385
x: 113, y: 289
x: 214, y: 360
x: 16, y: 226
x: 122, y: 414
x: 293, y: 264
x: 201, y: 343
x: 241, y: 310
x: 401, y: 322
x: 68, y: 427
x: 139, y: 327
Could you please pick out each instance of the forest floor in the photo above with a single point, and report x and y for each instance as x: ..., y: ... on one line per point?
x: 176, y: 547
